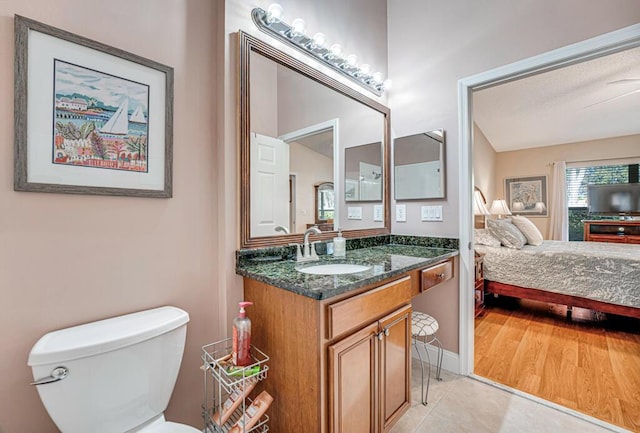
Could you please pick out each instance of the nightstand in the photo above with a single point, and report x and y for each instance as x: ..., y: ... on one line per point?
x: 479, y: 284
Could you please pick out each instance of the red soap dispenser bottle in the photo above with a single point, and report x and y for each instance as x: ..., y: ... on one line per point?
x: 241, y: 355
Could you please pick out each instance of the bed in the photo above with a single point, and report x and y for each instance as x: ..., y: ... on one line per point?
x: 600, y: 276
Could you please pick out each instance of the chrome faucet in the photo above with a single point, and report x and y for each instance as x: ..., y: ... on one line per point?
x: 308, y: 252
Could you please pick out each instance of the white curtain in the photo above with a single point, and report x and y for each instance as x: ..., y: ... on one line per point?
x: 559, y: 220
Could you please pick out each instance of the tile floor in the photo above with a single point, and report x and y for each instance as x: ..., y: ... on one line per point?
x: 460, y: 404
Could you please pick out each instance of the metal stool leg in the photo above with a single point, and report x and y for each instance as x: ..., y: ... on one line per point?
x: 440, y: 356
x: 423, y: 394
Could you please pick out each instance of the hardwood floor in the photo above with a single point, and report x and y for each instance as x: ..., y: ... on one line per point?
x: 590, y: 364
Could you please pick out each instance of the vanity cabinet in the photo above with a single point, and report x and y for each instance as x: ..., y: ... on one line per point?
x: 343, y: 364
x: 370, y: 375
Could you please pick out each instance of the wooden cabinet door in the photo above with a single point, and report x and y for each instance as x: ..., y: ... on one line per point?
x: 395, y: 366
x: 353, y: 367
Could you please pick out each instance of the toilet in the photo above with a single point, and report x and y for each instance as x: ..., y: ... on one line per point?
x: 114, y: 375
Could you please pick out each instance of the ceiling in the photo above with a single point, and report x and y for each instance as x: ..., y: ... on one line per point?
x: 591, y: 100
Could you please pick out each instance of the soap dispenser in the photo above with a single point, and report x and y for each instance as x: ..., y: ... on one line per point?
x: 339, y: 245
x: 241, y: 355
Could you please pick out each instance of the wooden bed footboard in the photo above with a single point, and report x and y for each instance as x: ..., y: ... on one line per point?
x: 559, y: 298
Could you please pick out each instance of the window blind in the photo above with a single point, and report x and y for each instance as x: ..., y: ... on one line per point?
x: 579, y: 177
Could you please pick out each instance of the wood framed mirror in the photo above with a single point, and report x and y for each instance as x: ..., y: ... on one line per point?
x: 296, y: 125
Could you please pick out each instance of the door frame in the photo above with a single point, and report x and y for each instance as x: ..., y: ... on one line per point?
x: 314, y: 129
x: 608, y: 43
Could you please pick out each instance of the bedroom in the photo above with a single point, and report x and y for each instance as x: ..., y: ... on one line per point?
x: 609, y: 141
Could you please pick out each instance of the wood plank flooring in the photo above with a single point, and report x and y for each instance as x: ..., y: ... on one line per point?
x: 590, y: 364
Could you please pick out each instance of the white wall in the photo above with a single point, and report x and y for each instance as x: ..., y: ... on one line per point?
x: 433, y: 44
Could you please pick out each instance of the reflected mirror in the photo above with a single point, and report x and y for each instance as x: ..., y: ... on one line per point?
x: 297, y: 127
x: 419, y: 166
x: 363, y: 173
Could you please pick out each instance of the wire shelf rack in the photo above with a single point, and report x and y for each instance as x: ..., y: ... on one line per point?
x: 225, y: 384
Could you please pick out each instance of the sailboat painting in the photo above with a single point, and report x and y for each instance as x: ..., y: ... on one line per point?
x: 101, y: 120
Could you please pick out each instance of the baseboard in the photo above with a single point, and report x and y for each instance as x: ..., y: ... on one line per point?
x: 450, y: 360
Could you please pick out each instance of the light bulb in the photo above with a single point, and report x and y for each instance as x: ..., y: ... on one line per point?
x: 386, y: 84
x: 352, y: 59
x: 377, y: 77
x: 318, y: 40
x: 274, y: 13
x: 298, y: 27
x: 365, y: 69
x: 336, y: 50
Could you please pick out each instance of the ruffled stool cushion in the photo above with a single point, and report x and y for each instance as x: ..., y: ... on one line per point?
x: 423, y: 325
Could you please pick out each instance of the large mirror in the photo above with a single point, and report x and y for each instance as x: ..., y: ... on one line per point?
x: 298, y: 129
x: 419, y: 166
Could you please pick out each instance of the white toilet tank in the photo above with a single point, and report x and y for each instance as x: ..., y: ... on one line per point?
x: 121, y: 371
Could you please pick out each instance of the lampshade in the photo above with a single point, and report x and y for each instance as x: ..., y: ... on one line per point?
x: 500, y: 208
x: 540, y: 207
x: 479, y: 208
x: 518, y: 206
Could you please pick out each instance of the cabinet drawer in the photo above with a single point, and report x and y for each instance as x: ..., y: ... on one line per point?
x: 366, y: 307
x: 434, y: 275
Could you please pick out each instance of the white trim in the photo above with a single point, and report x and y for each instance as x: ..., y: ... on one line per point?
x: 450, y: 360
x: 599, y: 46
x: 332, y: 124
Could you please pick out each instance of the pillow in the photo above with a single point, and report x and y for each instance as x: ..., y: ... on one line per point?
x: 528, y: 229
x: 507, y: 233
x: 483, y: 237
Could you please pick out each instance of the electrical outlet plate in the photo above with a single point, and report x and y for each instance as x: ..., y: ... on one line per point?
x: 431, y: 213
x: 354, y: 213
x: 377, y: 212
x: 401, y: 212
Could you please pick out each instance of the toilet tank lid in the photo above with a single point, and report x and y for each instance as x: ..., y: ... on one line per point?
x: 105, y: 335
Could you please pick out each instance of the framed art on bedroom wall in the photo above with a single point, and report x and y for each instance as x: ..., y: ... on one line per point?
x: 527, y: 195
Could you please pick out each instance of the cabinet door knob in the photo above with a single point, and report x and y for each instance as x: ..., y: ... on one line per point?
x: 386, y: 332
x: 380, y: 336
x: 441, y: 275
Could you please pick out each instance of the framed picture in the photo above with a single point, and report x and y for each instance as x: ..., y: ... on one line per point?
x: 527, y: 195
x: 89, y: 118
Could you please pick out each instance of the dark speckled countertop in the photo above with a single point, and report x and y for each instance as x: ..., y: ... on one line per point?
x: 385, y: 261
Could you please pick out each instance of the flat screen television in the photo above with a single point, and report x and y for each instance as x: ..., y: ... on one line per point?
x: 615, y: 199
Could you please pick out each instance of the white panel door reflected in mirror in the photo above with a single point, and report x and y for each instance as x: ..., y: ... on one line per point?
x: 419, y: 166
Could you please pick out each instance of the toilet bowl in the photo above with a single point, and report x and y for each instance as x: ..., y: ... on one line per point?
x: 114, y: 375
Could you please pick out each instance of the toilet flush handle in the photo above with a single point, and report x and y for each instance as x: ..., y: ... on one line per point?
x: 57, y: 374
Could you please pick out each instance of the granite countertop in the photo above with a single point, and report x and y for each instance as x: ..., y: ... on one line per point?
x: 385, y: 261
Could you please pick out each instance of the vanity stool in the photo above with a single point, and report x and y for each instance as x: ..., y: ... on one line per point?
x: 423, y: 333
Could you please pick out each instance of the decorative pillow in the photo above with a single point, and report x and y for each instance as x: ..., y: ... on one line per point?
x: 528, y: 229
x: 507, y: 233
x: 483, y: 237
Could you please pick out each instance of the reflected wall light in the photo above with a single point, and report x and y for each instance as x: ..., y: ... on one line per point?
x: 295, y: 34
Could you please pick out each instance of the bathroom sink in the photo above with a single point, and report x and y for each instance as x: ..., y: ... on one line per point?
x: 334, y: 269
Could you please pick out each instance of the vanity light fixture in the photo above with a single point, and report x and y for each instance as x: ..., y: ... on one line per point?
x: 271, y: 22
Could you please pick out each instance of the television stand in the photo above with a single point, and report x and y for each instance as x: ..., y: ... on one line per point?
x: 618, y: 231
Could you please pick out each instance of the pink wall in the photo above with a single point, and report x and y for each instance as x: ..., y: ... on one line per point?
x: 69, y: 259
x: 433, y: 44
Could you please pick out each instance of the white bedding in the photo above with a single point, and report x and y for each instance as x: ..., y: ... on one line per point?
x: 605, y: 272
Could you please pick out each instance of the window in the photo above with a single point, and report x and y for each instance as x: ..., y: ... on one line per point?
x: 577, y: 180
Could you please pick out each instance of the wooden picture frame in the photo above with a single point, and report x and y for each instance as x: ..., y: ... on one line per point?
x: 89, y: 118
x: 527, y: 195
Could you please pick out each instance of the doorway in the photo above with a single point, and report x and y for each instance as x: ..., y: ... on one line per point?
x: 597, y: 47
